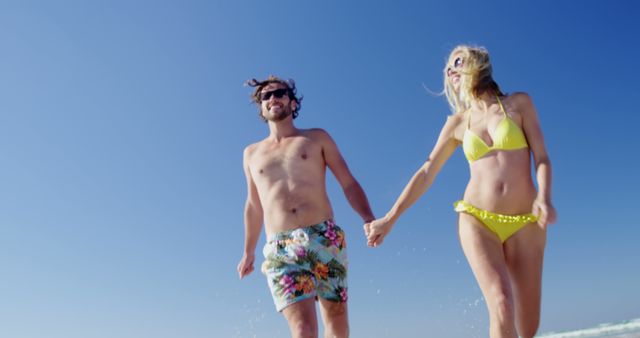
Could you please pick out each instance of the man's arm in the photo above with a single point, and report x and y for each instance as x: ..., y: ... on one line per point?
x: 352, y: 189
x: 253, y: 218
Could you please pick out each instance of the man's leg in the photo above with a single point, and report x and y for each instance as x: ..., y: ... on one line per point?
x: 302, y: 320
x: 335, y: 319
x: 332, y: 293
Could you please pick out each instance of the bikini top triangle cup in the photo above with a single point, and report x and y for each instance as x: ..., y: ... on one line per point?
x: 507, y: 136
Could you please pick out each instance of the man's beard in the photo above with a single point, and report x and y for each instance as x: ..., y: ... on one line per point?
x: 279, y: 116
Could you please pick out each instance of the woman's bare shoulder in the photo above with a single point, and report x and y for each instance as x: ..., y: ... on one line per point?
x: 455, y: 125
x: 520, y: 99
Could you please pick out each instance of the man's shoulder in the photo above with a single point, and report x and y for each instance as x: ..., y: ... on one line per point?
x: 314, y: 131
x: 250, y: 149
x: 318, y: 134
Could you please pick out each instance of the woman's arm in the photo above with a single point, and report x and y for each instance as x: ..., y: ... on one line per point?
x: 419, y: 183
x: 542, y: 206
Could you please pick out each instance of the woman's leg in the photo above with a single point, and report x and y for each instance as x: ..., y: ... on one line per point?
x: 524, y: 253
x: 484, y: 252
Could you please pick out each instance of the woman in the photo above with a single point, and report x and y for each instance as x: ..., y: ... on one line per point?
x: 502, y: 218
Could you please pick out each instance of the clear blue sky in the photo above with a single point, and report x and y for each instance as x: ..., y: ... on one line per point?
x: 122, y: 125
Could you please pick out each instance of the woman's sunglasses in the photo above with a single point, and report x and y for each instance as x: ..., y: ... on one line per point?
x: 278, y: 94
x: 457, y: 63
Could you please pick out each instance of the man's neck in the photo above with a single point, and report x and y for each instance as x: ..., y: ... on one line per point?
x: 281, y: 129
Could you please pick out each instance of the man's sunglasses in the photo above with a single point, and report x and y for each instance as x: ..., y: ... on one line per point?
x: 278, y: 94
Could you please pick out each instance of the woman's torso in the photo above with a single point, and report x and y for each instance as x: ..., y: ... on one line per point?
x: 500, y: 179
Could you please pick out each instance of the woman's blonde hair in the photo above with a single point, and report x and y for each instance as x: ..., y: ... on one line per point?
x: 475, y: 77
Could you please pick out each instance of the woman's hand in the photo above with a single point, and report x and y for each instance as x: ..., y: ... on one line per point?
x: 545, y: 212
x: 377, y: 230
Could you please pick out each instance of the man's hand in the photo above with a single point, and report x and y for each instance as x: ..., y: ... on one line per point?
x: 376, y: 231
x: 245, y: 267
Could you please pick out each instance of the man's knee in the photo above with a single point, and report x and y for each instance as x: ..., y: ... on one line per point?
x: 337, y: 330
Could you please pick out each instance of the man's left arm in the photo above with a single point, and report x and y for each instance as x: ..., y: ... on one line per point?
x: 352, y: 189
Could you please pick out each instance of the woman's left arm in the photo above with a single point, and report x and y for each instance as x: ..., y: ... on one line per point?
x: 542, y: 206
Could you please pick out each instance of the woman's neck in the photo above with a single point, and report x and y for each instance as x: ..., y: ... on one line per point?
x: 483, y: 101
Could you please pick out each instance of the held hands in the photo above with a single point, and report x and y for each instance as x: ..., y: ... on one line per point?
x: 245, y: 267
x: 545, y: 212
x: 377, y: 230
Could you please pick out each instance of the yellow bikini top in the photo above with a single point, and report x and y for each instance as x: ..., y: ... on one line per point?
x: 507, y: 136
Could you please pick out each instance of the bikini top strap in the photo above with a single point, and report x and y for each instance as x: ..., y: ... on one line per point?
x: 501, y: 106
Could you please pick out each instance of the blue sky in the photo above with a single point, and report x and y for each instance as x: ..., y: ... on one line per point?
x: 122, y: 126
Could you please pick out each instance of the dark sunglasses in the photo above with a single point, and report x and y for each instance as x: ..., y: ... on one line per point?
x: 278, y: 94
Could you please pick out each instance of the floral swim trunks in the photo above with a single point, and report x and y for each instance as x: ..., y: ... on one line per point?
x: 306, y: 262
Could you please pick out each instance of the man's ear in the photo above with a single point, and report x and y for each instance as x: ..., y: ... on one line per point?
x: 294, y: 105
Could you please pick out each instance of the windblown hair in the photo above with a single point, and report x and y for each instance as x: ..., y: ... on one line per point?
x: 475, y: 77
x: 291, y: 92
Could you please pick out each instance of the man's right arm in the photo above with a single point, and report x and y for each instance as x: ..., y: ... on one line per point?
x: 253, y: 218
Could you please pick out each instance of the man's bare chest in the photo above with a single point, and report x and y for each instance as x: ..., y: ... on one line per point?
x: 296, y: 158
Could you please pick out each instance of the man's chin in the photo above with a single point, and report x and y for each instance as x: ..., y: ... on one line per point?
x: 280, y: 116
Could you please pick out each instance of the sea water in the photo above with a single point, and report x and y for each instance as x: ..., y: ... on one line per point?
x: 625, y: 329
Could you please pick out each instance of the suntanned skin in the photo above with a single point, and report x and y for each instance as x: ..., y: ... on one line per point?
x: 285, y: 176
x: 509, y: 274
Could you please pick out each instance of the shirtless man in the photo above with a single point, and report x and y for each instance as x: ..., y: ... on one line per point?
x: 305, y: 253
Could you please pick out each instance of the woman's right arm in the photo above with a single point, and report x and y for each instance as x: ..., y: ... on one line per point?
x: 419, y: 183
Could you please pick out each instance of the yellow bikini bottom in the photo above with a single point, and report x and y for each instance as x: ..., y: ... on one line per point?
x: 502, y: 225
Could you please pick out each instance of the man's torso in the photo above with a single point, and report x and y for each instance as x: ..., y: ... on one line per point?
x: 290, y: 179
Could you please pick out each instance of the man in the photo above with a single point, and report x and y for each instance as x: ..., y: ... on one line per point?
x: 305, y: 253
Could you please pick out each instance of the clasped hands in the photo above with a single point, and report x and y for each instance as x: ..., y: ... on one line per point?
x: 377, y: 230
